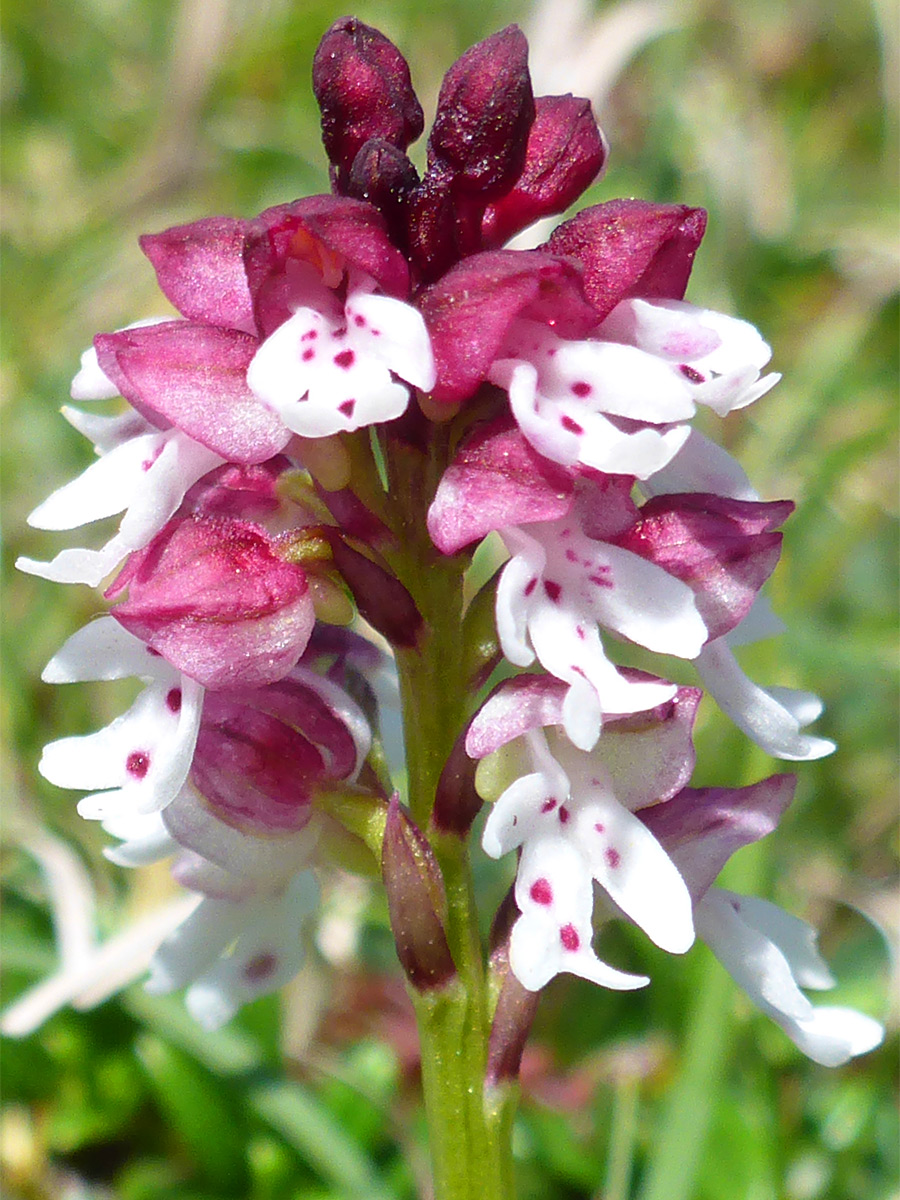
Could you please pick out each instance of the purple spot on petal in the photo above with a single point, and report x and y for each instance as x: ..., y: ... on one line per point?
x: 563, y: 814
x: 173, y: 700
x: 359, y: 320
x: 308, y: 354
x: 553, y: 590
x: 601, y: 578
x: 571, y: 555
x: 137, y: 763
x: 347, y: 408
x: 570, y: 425
x: 345, y: 359
x: 599, y: 826
x: 691, y: 373
x: 548, y: 805
x: 310, y: 335
x: 579, y: 629
x: 260, y: 967
x: 530, y: 586
x: 581, y: 388
x: 568, y: 935
x: 541, y: 892
x: 612, y: 856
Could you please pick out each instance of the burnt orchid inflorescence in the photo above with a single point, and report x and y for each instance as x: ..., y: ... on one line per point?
x: 359, y: 389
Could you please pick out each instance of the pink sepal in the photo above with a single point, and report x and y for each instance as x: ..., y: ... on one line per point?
x: 723, y: 549
x: 470, y: 310
x: 334, y: 235
x: 631, y: 248
x: 701, y: 828
x: 496, y: 479
x: 200, y: 268
x: 214, y: 599
x: 194, y: 376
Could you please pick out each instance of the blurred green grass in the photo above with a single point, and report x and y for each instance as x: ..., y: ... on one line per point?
x: 123, y: 116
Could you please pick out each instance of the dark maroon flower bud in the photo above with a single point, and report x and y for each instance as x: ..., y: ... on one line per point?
x: 470, y: 310
x: 433, y: 239
x: 416, y: 902
x: 723, y: 549
x: 381, y: 598
x: 485, y: 110
x: 565, y: 153
x: 214, y: 599
x: 632, y: 248
x: 200, y: 268
x: 383, y: 176
x: 362, y: 84
x: 456, y: 803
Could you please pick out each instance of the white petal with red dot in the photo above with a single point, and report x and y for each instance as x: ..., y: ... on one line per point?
x: 636, y: 598
x: 103, y: 650
x: 394, y: 333
x: 311, y: 374
x: 148, y: 476
x: 554, y: 892
x: 267, y: 953
x: 567, y: 432
x: 765, y: 720
x: 140, y: 761
x: 627, y: 860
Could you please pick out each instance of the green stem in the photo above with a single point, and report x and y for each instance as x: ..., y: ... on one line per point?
x: 470, y: 1140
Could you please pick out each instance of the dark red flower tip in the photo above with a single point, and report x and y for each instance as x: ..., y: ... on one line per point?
x: 565, y: 153
x: 363, y: 86
x: 485, y: 110
x: 383, y: 176
x: 632, y: 248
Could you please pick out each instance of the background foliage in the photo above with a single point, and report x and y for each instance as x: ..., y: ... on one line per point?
x: 129, y: 115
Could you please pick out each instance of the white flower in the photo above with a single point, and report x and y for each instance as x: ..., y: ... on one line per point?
x: 555, y: 590
x: 774, y: 718
x: 139, y: 763
x: 772, y: 955
x: 329, y: 368
x: 573, y: 829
